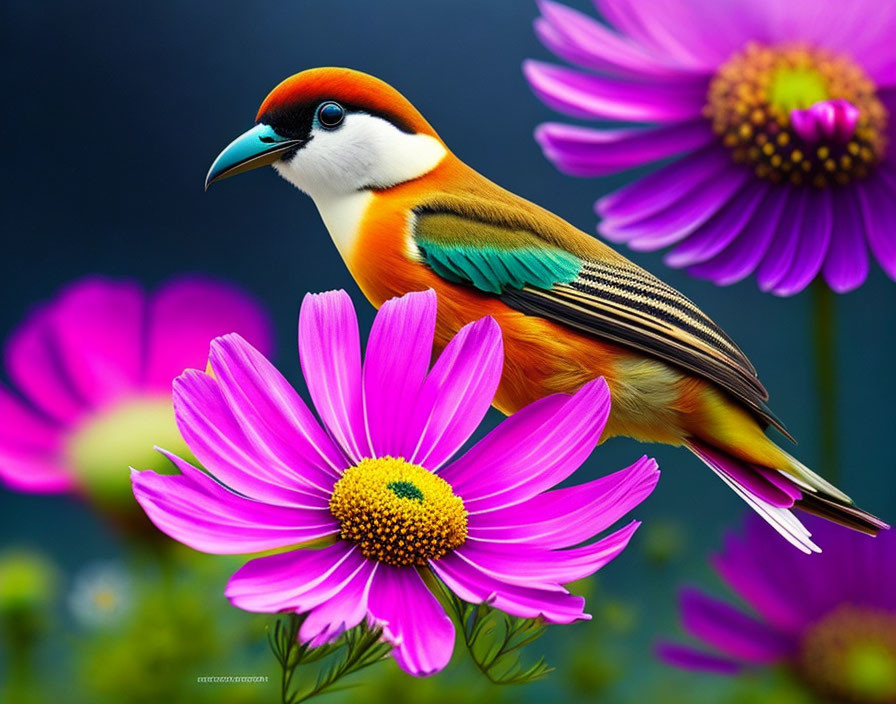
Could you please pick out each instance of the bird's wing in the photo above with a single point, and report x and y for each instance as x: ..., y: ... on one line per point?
x: 496, y: 249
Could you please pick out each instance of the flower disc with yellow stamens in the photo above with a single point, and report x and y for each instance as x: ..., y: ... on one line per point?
x: 851, y: 653
x: 752, y: 101
x: 397, y: 512
x: 770, y: 125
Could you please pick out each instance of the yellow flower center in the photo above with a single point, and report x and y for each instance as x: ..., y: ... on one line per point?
x: 752, y: 101
x: 397, y: 512
x: 105, y: 599
x: 850, y: 655
x: 102, y: 449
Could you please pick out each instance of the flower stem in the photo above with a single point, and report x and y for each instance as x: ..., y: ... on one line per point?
x: 20, y: 640
x: 355, y: 650
x: 824, y: 337
x: 494, y: 641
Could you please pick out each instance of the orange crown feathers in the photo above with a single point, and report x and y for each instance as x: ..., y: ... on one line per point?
x: 353, y: 89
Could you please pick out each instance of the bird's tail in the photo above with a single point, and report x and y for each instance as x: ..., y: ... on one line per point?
x: 773, y: 493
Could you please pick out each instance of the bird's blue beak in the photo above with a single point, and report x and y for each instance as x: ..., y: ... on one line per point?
x: 259, y: 146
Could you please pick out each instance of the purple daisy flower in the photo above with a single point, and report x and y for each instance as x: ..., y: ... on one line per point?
x: 94, y: 369
x: 779, y: 116
x: 375, y: 482
x: 830, y: 618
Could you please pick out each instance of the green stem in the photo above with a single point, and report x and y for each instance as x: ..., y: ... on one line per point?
x: 824, y: 337
x: 21, y: 683
x: 358, y: 648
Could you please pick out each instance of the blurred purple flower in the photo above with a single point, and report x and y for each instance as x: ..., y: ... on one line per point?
x: 374, y: 488
x: 830, y: 618
x: 779, y: 116
x: 94, y: 369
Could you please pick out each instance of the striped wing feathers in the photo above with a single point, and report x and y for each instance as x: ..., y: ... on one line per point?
x: 594, y: 291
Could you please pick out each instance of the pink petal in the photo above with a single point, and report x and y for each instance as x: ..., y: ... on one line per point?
x: 412, y: 619
x: 197, y: 511
x: 186, y: 314
x: 98, y: 327
x: 569, y: 516
x: 34, y: 471
x: 531, y: 451
x: 222, y: 447
x: 783, y: 587
x: 457, y: 393
x: 703, y: 33
x: 814, y: 237
x: 345, y: 610
x: 698, y: 34
x: 876, y: 202
x: 782, y: 250
x: 876, y: 50
x: 840, y: 28
x: 741, y: 257
x: 846, y: 263
x: 580, y: 39
x: 732, y: 632
x: 683, y: 218
x: 590, y: 96
x: 663, y: 188
x: 476, y: 587
x: 720, y: 230
x: 33, y: 361
x: 399, y: 351
x: 776, y: 595
x: 529, y: 566
x: 23, y: 427
x: 883, y: 70
x: 297, y: 580
x: 273, y: 416
x: 330, y: 352
x: 692, y: 659
x: 583, y: 151
x: 588, y: 559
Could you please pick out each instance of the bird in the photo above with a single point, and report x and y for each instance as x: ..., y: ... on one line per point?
x: 406, y: 214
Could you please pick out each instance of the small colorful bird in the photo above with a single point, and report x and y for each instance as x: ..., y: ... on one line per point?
x: 407, y: 215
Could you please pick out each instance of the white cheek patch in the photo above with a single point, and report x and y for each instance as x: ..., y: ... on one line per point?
x: 342, y: 216
x: 364, y: 152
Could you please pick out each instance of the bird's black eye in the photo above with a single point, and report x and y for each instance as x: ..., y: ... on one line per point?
x: 330, y: 114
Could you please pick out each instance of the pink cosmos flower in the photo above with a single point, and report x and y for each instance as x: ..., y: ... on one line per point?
x: 829, y: 618
x: 779, y: 116
x: 376, y: 485
x: 94, y: 369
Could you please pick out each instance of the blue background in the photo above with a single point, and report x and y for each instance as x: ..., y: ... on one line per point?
x: 113, y: 112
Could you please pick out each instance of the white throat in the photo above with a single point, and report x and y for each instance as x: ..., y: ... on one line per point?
x: 339, y: 168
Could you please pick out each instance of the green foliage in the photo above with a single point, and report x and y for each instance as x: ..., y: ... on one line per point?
x: 180, y: 629
x: 591, y: 671
x: 459, y: 683
x: 28, y: 582
x: 28, y: 590
x: 773, y: 686
x: 663, y: 542
x: 352, y: 652
x: 494, y: 640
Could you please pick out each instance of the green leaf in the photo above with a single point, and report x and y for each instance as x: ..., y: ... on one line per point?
x: 352, y: 652
x: 495, y: 641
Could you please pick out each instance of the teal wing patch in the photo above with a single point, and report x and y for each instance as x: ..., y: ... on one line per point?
x: 491, y: 257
